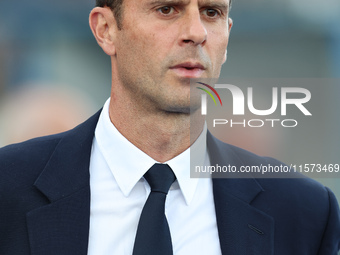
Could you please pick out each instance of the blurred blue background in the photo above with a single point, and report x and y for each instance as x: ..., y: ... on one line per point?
x: 53, y: 75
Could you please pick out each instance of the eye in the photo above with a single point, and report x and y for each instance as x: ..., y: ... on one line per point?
x: 166, y: 10
x: 211, y: 13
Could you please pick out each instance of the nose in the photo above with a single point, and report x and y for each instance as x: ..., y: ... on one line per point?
x: 194, y: 31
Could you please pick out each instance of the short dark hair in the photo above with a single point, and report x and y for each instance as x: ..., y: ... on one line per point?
x: 117, y: 7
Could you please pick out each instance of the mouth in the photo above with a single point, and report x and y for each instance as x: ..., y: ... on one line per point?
x: 189, y: 69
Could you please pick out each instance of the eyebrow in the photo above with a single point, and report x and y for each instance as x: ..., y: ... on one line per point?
x: 212, y: 3
x: 224, y: 6
x: 218, y: 4
x: 169, y: 2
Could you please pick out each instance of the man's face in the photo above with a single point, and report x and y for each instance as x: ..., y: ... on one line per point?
x: 164, y: 43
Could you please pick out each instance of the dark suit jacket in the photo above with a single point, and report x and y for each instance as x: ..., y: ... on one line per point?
x: 45, y: 202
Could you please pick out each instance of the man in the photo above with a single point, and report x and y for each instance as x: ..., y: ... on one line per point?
x: 83, y: 191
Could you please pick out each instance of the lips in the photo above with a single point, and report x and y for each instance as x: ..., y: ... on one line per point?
x: 189, y: 69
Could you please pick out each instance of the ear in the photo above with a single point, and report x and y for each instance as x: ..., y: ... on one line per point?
x: 104, y: 28
x: 230, y: 24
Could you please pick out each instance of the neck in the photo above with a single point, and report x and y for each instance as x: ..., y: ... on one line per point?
x: 161, y: 135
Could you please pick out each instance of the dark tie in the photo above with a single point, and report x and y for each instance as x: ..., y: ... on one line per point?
x: 153, y: 234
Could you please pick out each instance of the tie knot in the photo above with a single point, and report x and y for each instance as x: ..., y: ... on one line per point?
x: 160, y: 177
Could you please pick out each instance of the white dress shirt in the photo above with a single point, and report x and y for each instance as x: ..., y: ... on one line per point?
x: 119, y: 192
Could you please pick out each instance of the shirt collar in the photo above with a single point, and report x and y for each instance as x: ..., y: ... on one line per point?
x: 128, y: 163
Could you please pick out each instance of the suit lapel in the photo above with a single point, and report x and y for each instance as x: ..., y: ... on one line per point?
x: 243, y: 229
x: 62, y: 227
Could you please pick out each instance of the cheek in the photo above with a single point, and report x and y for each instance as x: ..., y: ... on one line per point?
x: 220, y: 50
x: 133, y: 50
x: 223, y: 46
x: 219, y: 38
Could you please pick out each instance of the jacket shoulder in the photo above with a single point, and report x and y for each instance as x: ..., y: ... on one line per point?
x: 22, y: 162
x: 298, y: 204
x: 293, y: 188
x: 296, y: 182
